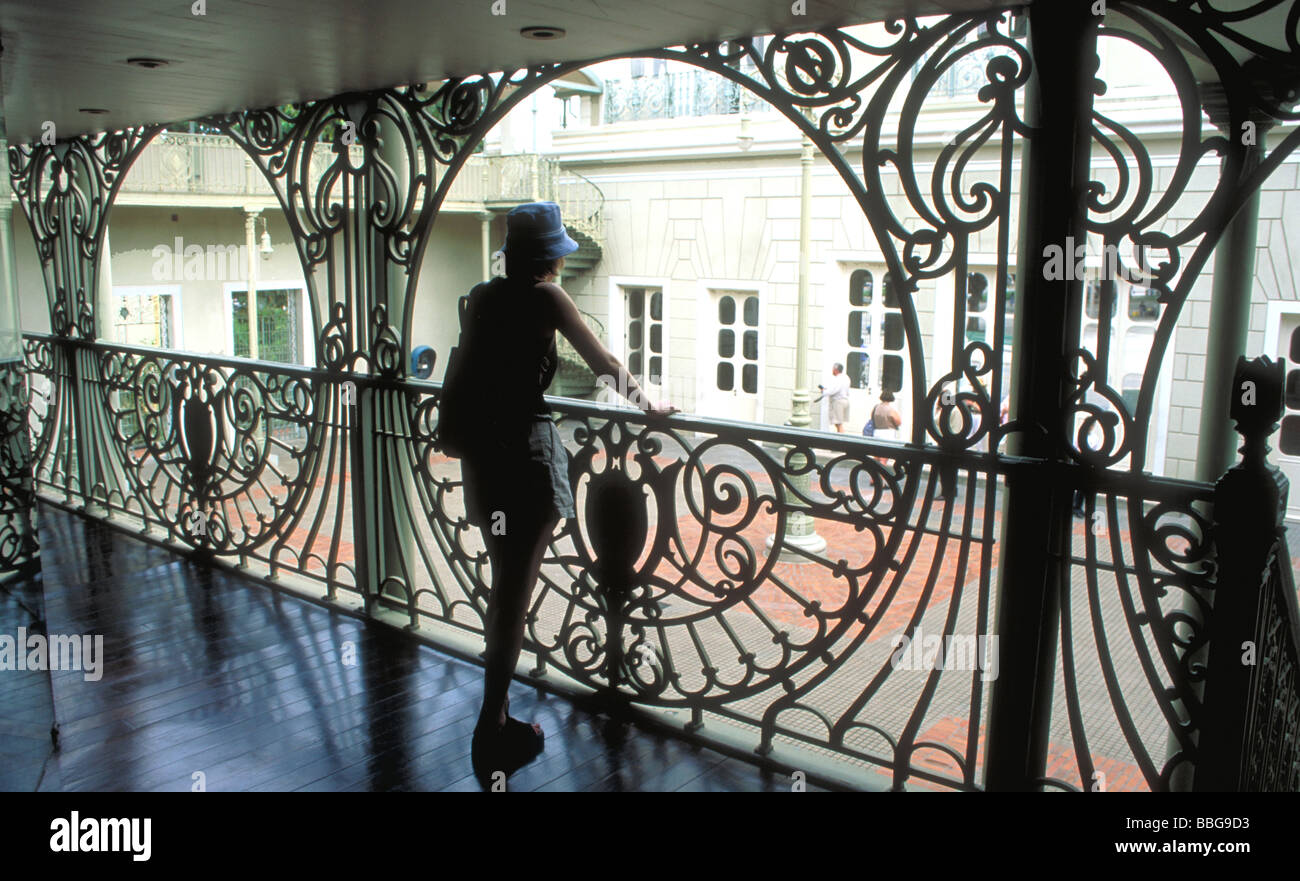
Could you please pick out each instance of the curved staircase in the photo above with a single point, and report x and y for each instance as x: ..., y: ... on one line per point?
x: 582, y: 202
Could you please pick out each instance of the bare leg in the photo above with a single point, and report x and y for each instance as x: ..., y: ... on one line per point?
x: 516, y: 561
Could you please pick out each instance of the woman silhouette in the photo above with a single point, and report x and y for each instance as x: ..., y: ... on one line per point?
x: 517, y: 480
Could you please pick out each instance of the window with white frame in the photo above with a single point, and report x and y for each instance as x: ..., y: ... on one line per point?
x: 1289, y: 437
x: 857, y: 363
x: 736, y: 345
x: 874, y: 357
x: 142, y: 316
x: 643, y: 310
x: 279, y: 324
x: 146, y: 317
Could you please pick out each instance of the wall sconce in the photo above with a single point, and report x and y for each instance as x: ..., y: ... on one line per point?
x: 266, y: 249
x: 746, y: 137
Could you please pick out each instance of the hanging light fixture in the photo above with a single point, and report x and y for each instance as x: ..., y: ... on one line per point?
x: 266, y: 249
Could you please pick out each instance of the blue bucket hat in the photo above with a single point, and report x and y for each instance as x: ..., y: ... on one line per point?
x: 535, y: 230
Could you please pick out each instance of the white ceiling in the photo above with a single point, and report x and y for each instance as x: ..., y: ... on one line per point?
x: 63, y: 55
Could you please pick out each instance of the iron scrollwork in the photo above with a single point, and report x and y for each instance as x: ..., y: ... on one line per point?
x: 698, y: 608
x: 65, y: 189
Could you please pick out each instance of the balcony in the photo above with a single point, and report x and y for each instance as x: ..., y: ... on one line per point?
x: 259, y: 692
x: 677, y: 95
x: 694, y: 93
x: 815, y: 602
x: 721, y: 612
x: 181, y: 164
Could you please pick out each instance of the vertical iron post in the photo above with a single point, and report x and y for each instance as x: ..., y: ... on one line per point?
x: 1054, y: 175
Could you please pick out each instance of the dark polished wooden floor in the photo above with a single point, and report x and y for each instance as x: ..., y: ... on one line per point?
x: 207, y: 674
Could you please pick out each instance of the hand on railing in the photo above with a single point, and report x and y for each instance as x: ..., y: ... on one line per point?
x: 660, y: 409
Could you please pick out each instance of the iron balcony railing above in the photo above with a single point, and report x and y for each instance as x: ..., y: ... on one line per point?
x: 695, y: 93
x: 582, y: 203
x: 206, y: 164
x: 202, y: 164
x: 677, y: 95
x: 506, y: 180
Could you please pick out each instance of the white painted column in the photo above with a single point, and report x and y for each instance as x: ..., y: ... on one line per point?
x: 250, y: 240
x: 106, y: 312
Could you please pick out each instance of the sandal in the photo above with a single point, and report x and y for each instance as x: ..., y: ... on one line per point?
x: 507, y: 748
x: 525, y: 735
x: 523, y: 730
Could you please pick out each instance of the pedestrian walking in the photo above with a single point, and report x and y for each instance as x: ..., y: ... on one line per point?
x: 838, y: 392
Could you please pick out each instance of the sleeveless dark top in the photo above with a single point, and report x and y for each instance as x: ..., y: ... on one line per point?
x: 517, y: 361
x: 521, y: 467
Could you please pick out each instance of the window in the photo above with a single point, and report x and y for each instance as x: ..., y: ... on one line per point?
x: 1143, y: 304
x: 145, y: 318
x: 891, y: 373
x: 1092, y: 300
x: 1289, y: 439
x: 737, y: 342
x: 859, y: 369
x: 857, y: 364
x: 1129, y: 390
x: 644, y: 333
x: 890, y: 295
x: 1293, y: 390
x: 977, y: 292
x: 142, y: 316
x: 279, y: 325
x: 874, y: 326
x: 979, y: 308
x: 891, y: 366
x: 860, y: 287
x: 893, y: 332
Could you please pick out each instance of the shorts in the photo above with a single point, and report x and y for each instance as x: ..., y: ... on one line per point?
x: 839, y: 412
x: 529, y: 483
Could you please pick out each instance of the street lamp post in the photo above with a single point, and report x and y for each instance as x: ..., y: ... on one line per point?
x: 800, y: 529
x: 250, y: 240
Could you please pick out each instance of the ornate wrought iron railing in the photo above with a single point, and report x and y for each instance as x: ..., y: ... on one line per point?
x: 228, y: 456
x: 329, y: 479
x: 208, y: 164
x: 213, y: 164
x: 964, y: 78
x: 1252, y: 680
x: 582, y: 203
x: 525, y: 177
x: 1271, y: 758
x: 721, y: 624
x: 19, y: 548
x: 677, y: 95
